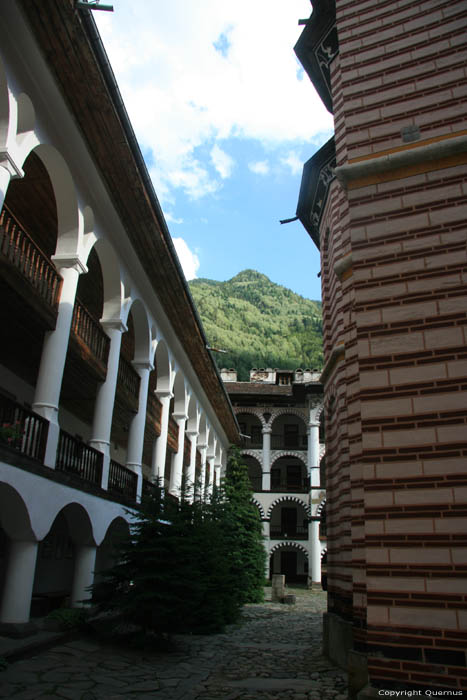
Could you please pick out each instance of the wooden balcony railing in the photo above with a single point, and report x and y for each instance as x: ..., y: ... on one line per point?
x: 289, y: 442
x: 299, y: 532
x: 75, y: 457
x: 128, y: 377
x: 25, y: 255
x: 86, y: 327
x: 22, y: 429
x: 122, y: 481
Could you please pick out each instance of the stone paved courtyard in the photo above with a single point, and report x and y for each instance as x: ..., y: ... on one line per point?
x: 274, y: 652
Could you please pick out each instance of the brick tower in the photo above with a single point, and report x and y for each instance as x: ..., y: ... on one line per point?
x: 385, y: 200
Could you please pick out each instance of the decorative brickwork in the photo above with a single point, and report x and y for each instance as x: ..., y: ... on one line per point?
x: 393, y: 238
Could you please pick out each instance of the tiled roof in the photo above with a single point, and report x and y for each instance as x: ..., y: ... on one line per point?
x: 258, y: 388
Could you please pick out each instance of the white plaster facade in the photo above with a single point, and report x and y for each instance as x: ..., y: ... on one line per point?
x: 281, y: 445
x: 40, y: 489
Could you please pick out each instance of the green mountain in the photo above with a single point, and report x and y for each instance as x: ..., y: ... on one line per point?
x: 259, y: 323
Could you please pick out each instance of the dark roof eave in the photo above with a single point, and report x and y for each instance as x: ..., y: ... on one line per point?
x: 71, y: 44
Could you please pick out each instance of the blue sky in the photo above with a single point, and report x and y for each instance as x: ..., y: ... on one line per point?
x: 225, y: 118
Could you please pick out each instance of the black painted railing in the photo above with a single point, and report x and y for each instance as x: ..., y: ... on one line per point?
x: 299, y: 532
x: 122, y: 481
x: 75, y: 457
x: 22, y: 429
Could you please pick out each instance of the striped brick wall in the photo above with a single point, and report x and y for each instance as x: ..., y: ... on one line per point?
x: 397, y: 396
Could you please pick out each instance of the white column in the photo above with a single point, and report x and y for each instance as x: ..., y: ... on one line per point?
x: 19, y: 580
x: 202, y: 482
x: 49, y: 381
x: 85, y: 563
x: 315, y: 553
x: 313, y: 453
x: 210, y: 461
x: 266, y: 481
x: 191, y: 472
x: 217, y: 475
x: 5, y: 177
x: 177, y: 464
x: 104, y: 406
x: 9, y: 169
x: 160, y: 445
x: 137, y: 426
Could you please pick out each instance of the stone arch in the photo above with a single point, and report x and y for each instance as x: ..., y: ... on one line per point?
x: 69, y: 222
x: 297, y: 412
x: 320, y: 508
x: 259, y: 507
x: 79, y: 523
x: 163, y: 363
x: 319, y: 411
x: 180, y: 393
x: 111, y: 275
x: 255, y: 470
x: 6, y: 123
x: 142, y: 331
x: 193, y: 414
x: 291, y: 499
x: 256, y: 454
x: 258, y: 412
x: 105, y: 555
x: 204, y: 429
x: 285, y: 545
x: 14, y: 515
x: 279, y: 454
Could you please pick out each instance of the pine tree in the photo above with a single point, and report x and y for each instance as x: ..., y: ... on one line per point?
x: 243, y: 532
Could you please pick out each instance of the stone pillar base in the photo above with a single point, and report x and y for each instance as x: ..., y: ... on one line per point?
x: 18, y: 630
x: 357, y: 667
x: 337, y: 639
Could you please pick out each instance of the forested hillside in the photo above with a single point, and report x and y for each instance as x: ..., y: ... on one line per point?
x: 259, y: 323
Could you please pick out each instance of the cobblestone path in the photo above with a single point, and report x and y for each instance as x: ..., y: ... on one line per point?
x: 273, y: 653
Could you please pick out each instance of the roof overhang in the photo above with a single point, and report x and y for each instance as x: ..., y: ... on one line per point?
x: 318, y: 173
x: 71, y: 45
x: 317, y: 46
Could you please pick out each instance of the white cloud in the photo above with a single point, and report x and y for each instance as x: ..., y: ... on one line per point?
x: 260, y: 167
x: 188, y: 260
x: 222, y: 162
x: 171, y: 218
x: 294, y: 162
x: 183, y: 89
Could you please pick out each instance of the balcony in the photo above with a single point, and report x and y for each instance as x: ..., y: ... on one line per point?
x: 122, y: 481
x: 299, y: 532
x: 77, y: 458
x: 291, y: 486
x: 22, y: 430
x: 289, y: 442
x: 89, y: 340
x: 21, y: 255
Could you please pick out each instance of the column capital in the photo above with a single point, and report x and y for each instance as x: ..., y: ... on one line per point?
x: 9, y: 163
x: 142, y: 365
x: 266, y: 430
x: 114, y: 324
x: 164, y: 395
x: 179, y: 416
x: 313, y: 424
x: 191, y: 433
x: 70, y: 261
x: 202, y: 446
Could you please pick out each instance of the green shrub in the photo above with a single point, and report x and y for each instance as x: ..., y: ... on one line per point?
x: 67, y: 618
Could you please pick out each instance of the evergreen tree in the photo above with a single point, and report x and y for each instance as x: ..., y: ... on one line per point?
x: 243, y: 532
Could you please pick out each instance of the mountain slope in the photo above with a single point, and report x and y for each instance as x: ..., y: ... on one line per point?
x: 259, y: 323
